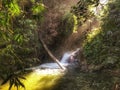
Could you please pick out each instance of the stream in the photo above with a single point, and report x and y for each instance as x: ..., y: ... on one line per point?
x: 46, y: 76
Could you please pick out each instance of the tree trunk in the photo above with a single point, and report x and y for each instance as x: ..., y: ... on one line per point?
x: 50, y: 54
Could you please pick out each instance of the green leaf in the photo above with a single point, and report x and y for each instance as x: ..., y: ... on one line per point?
x: 6, y: 80
x: 20, y: 83
x: 22, y: 77
x: 38, y: 8
x: 18, y: 38
x: 11, y: 84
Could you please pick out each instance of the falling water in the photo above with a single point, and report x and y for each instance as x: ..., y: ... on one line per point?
x: 65, y: 57
x: 65, y: 61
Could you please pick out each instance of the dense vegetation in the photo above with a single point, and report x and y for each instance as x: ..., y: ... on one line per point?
x: 19, y: 45
x: 24, y: 22
x: 102, y: 45
x: 102, y: 48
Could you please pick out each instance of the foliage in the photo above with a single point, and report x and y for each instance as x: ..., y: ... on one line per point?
x: 87, y: 81
x: 95, y: 47
x: 104, y: 48
x: 68, y: 25
x: 81, y: 10
x: 14, y: 80
x: 37, y: 9
x: 19, y: 41
x: 13, y: 8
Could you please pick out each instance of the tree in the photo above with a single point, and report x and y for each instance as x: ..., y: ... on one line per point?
x: 19, y: 43
x: 81, y: 10
x: 51, y: 55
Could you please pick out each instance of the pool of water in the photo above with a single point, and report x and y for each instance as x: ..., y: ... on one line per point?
x: 39, y: 80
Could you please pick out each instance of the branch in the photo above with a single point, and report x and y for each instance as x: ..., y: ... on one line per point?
x: 4, y: 45
x: 51, y: 55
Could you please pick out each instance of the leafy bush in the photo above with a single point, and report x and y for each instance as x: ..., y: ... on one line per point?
x: 19, y: 41
x: 81, y: 10
x: 68, y: 24
x: 104, y: 47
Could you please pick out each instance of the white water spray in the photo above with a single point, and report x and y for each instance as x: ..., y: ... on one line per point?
x: 65, y: 61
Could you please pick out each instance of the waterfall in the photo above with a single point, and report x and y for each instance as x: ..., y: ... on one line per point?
x: 65, y: 61
x: 65, y: 57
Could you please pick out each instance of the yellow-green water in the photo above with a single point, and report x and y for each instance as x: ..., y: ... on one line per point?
x: 38, y: 80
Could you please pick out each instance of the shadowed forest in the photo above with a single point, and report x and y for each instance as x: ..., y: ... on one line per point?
x: 34, y: 32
